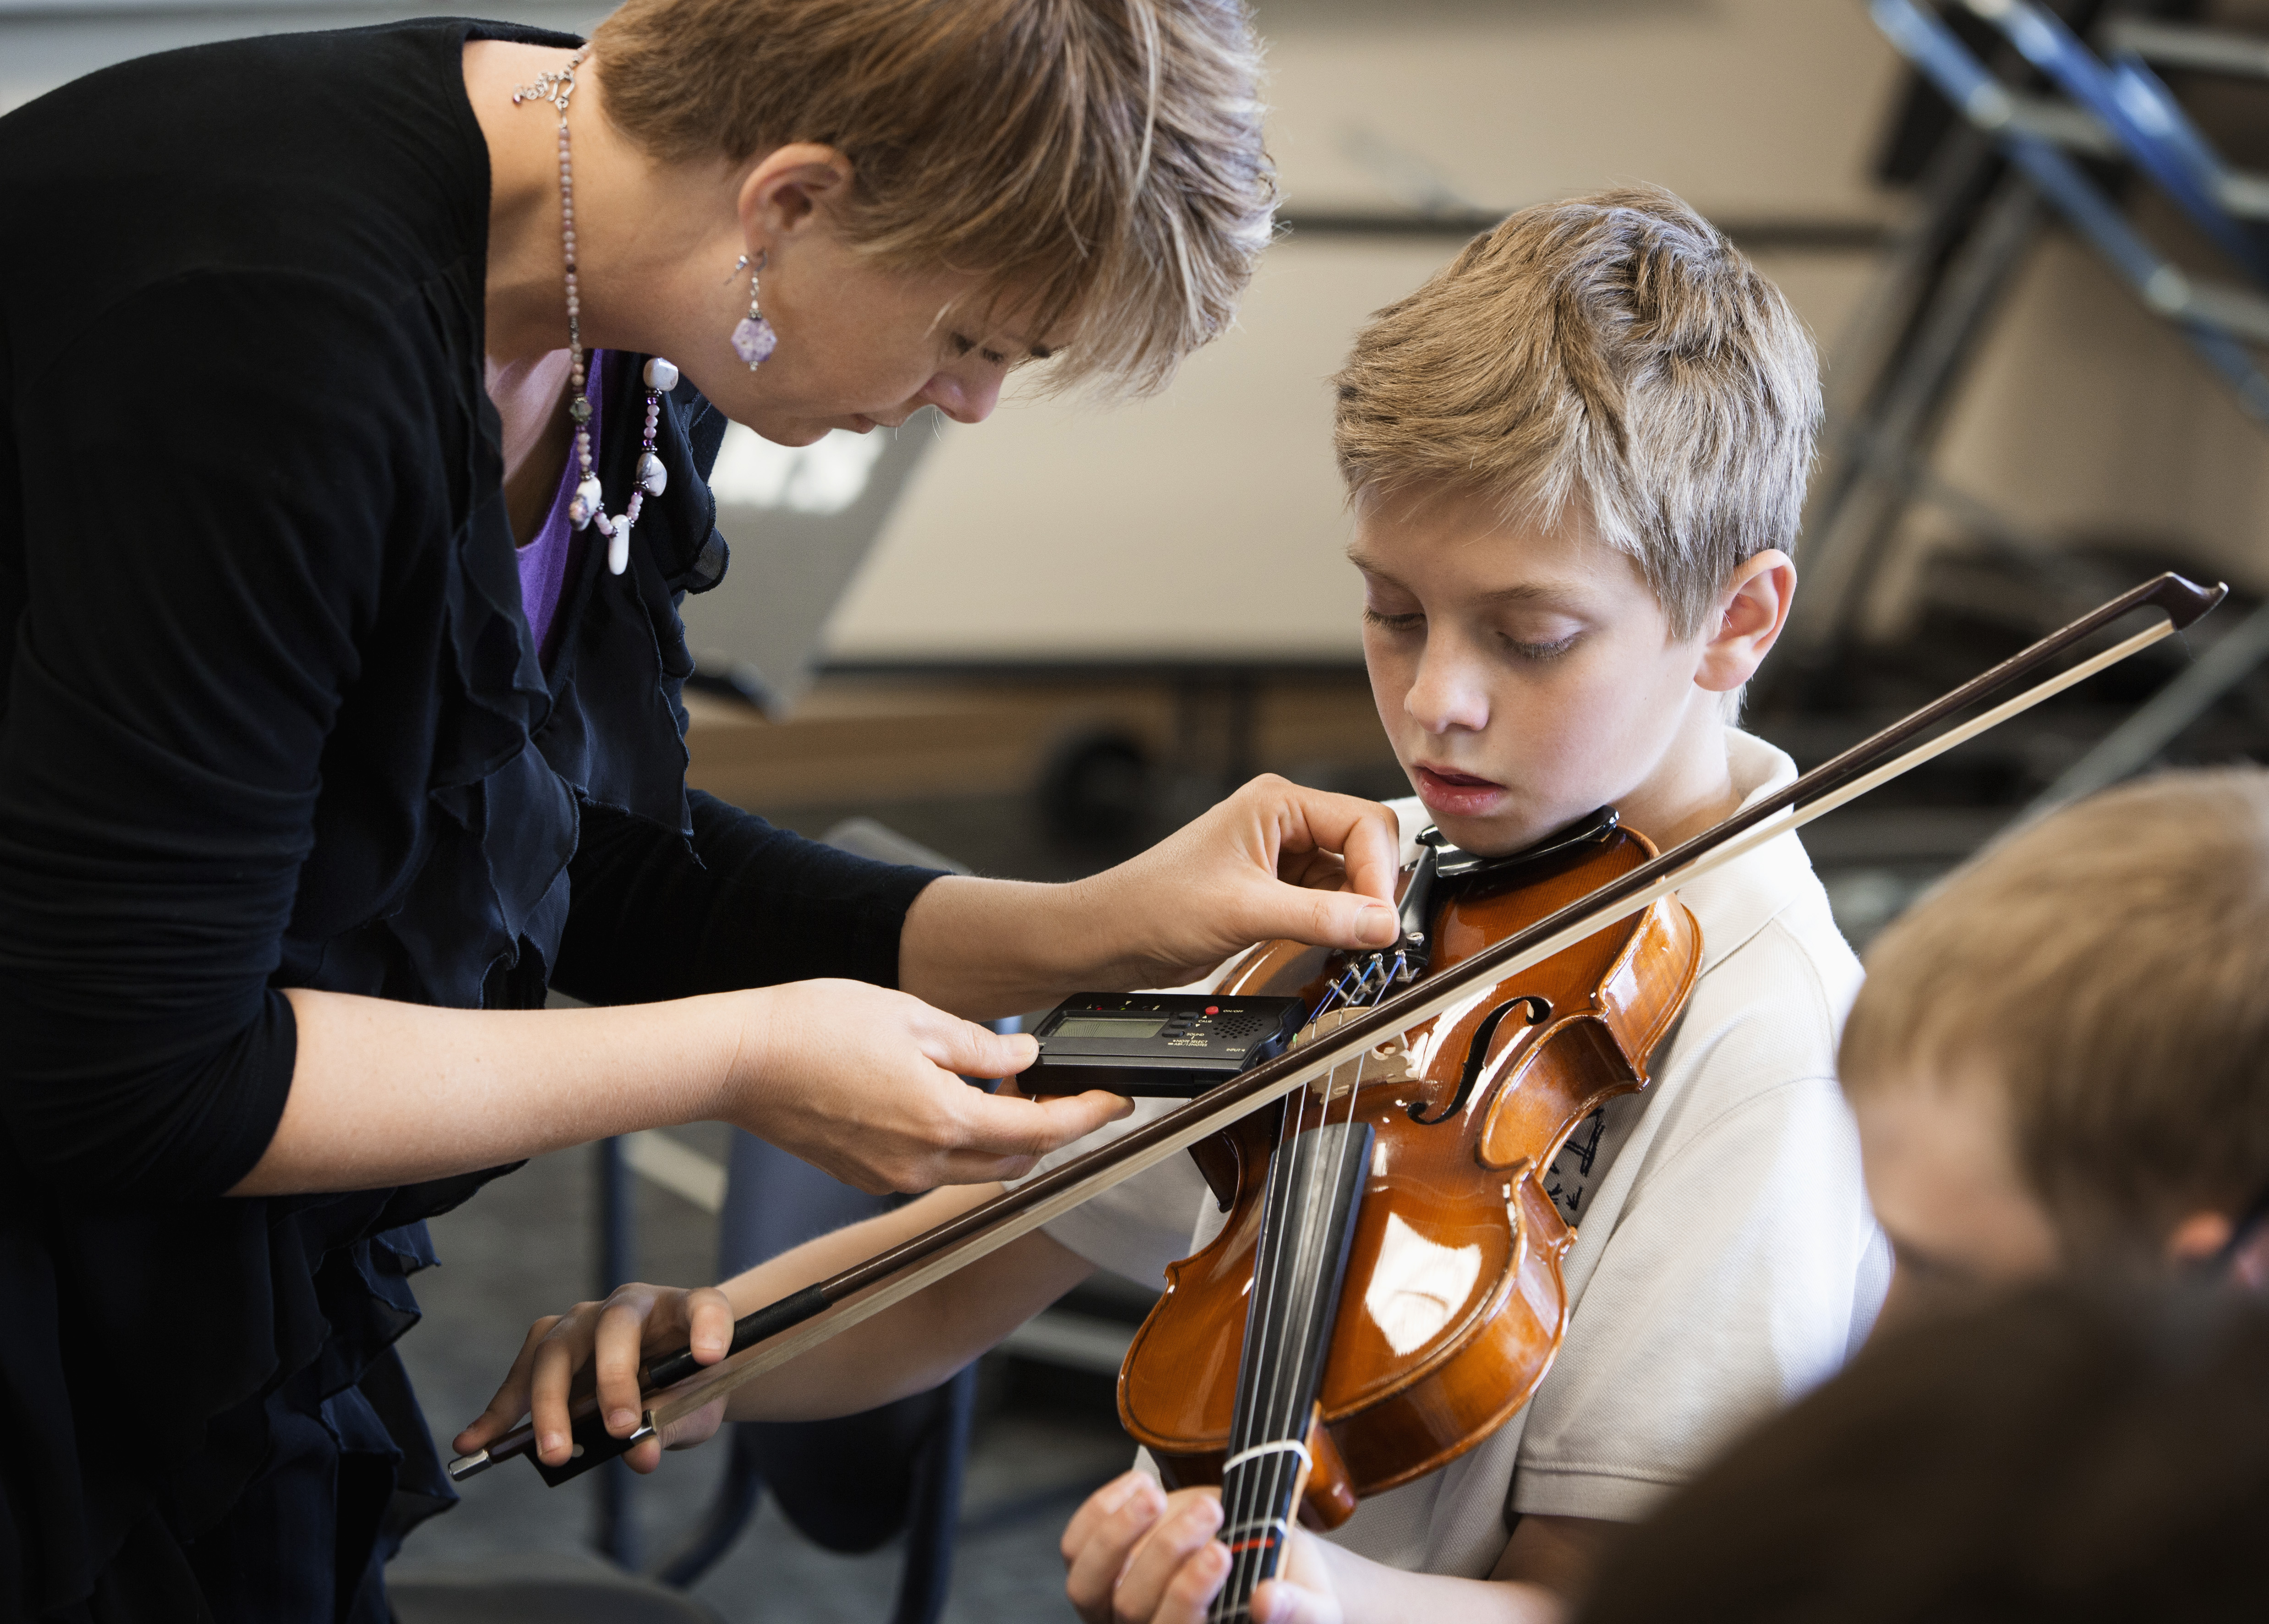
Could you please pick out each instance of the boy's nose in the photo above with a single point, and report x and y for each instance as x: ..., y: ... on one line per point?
x: 1444, y: 696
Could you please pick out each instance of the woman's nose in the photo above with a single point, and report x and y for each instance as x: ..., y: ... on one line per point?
x: 963, y: 399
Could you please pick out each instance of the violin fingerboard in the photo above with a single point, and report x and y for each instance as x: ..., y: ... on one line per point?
x: 1315, y: 1184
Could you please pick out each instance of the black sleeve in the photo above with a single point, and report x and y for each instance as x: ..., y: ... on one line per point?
x: 203, y: 537
x: 760, y: 907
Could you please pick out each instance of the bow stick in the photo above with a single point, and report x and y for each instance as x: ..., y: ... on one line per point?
x: 678, y: 1385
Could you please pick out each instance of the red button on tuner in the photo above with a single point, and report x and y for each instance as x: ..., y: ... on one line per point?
x: 1213, y: 1008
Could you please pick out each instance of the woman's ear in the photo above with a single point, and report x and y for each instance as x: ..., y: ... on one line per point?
x: 1751, y: 615
x: 791, y: 189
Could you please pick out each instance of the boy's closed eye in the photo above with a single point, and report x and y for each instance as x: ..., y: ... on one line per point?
x: 1546, y: 643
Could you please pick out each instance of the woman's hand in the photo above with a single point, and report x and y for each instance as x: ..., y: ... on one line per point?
x: 614, y: 1336
x: 1136, y: 1554
x: 1273, y: 861
x: 866, y: 1084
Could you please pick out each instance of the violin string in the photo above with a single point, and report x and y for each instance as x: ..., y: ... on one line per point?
x: 1268, y: 1497
x: 1266, y: 1486
x: 1255, y: 1488
x: 1258, y: 1507
x: 1260, y: 1494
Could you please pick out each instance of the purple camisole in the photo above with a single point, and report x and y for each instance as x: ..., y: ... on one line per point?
x: 544, y: 561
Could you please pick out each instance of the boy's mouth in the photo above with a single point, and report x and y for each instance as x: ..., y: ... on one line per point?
x: 1455, y: 794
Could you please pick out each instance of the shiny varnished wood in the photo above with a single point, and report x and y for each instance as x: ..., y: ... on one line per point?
x: 1453, y: 1305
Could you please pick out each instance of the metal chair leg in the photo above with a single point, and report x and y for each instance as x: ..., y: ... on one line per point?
x: 934, y: 1521
x: 735, y: 1502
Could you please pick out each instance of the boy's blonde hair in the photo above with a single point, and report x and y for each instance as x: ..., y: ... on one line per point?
x: 1096, y: 162
x: 1612, y: 356
x: 2109, y: 968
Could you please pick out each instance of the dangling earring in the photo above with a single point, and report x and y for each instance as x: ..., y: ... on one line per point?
x: 754, y: 340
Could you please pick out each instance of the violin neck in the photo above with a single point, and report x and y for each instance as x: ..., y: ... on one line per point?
x: 1315, y: 1182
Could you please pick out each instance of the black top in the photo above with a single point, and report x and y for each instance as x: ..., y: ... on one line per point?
x: 266, y: 717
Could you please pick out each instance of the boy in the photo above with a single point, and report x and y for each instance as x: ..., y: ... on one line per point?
x: 2061, y: 1061
x: 2076, y: 1452
x: 2060, y: 1070
x: 1577, y: 457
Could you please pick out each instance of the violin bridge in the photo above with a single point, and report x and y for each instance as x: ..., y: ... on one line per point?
x: 1385, y: 1061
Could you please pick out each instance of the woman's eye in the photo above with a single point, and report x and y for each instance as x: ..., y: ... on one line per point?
x: 963, y: 346
x: 1393, y: 623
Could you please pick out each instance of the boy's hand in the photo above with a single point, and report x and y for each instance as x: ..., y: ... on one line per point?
x: 1136, y: 1554
x: 634, y: 1319
x: 1273, y: 861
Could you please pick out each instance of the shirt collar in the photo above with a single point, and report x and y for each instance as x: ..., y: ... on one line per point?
x: 1734, y: 903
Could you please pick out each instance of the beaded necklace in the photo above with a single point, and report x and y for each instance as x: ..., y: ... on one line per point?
x: 588, y: 505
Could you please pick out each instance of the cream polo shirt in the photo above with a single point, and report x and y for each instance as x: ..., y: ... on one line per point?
x: 1725, y: 1261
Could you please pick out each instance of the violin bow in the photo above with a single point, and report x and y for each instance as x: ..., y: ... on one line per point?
x: 677, y: 1386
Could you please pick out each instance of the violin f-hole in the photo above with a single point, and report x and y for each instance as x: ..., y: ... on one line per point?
x: 1536, y: 1010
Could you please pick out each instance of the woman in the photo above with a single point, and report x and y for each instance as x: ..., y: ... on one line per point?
x: 341, y: 713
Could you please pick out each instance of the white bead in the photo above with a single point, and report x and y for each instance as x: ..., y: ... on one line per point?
x: 619, y: 550
x: 584, y: 506
x: 660, y: 374
x: 652, y: 476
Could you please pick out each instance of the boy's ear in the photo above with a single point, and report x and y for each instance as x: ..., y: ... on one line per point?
x: 1751, y: 615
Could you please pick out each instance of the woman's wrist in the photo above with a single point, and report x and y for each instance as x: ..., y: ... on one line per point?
x: 738, y: 1038
x: 984, y: 949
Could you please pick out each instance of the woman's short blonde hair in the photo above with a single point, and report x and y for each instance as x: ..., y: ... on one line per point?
x: 1096, y: 162
x: 1613, y: 356
x: 2107, y: 968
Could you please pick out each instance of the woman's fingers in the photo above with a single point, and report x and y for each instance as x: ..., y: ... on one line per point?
x: 974, y: 1051
x: 866, y: 1084
x: 1017, y: 1127
x: 1273, y: 861
x: 1331, y: 918
x: 1367, y: 837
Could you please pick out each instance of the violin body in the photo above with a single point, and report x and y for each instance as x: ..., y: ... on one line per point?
x: 1453, y: 1305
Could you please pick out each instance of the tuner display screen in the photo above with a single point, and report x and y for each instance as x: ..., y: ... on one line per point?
x: 1108, y: 1026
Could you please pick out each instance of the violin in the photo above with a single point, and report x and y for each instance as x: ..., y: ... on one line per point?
x: 1447, y: 1066
x: 1386, y: 1291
